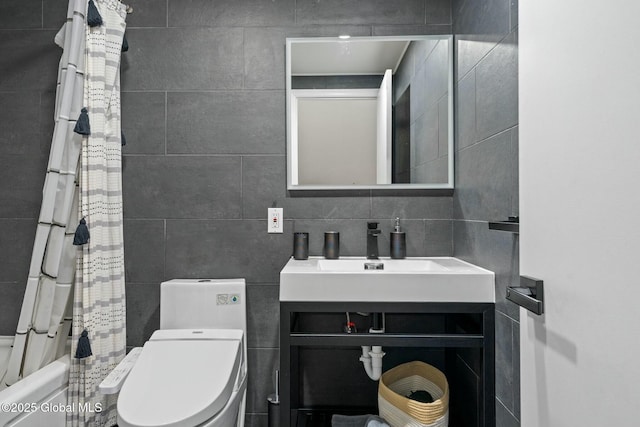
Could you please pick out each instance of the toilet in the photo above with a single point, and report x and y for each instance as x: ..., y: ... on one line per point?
x: 193, y: 370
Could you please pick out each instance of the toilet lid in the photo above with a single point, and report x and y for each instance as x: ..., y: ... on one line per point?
x: 179, y: 382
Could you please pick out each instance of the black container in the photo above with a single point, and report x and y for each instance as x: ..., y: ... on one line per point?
x: 398, y: 245
x: 273, y: 411
x: 331, y: 249
x: 300, y: 245
x: 273, y: 404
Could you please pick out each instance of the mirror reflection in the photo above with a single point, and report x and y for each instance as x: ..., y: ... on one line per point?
x: 370, y: 112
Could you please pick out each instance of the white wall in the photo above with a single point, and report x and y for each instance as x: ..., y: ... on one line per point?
x: 337, y: 141
x: 580, y: 211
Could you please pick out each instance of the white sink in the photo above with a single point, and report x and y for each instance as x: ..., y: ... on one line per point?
x: 398, y: 265
x: 432, y: 279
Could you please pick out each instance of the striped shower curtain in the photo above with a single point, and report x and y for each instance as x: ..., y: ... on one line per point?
x: 99, y: 297
x: 83, y: 180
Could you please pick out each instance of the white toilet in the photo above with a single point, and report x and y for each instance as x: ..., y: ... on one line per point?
x: 193, y: 371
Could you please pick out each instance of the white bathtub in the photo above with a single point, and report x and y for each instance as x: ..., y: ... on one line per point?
x: 37, y: 400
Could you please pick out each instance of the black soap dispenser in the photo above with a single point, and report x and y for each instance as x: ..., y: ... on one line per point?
x: 398, y: 241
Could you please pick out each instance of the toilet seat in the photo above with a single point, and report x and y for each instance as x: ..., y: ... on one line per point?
x: 182, y: 378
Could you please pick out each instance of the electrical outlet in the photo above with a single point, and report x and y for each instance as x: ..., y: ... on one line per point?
x: 274, y: 220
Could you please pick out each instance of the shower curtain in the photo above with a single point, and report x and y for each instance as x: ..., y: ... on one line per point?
x: 83, y: 285
x: 45, y: 314
x: 99, y: 297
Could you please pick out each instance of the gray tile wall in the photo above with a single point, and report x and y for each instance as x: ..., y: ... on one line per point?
x: 426, y: 61
x: 487, y: 169
x: 203, y: 112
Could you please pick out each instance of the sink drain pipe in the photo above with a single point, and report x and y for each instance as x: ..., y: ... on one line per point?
x: 372, y: 360
x: 372, y: 355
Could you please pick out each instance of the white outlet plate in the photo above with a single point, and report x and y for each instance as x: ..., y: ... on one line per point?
x: 274, y: 220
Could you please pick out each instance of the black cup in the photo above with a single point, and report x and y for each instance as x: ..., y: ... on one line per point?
x: 331, y: 249
x: 300, y: 245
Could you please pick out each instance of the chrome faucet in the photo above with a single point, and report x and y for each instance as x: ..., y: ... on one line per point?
x: 372, y: 240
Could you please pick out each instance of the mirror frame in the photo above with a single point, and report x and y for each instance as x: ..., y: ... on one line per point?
x: 292, y: 124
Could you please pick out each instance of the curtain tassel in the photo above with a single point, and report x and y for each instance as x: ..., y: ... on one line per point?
x: 93, y: 16
x: 84, y: 347
x: 125, y: 44
x: 123, y: 140
x: 82, y: 233
x: 82, y: 124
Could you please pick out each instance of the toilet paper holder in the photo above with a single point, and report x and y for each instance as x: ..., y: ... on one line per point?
x: 530, y: 294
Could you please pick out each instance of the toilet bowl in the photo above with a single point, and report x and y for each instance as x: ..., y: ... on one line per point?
x: 193, y: 371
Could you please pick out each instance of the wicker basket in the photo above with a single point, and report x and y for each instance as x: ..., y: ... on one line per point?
x: 400, y: 411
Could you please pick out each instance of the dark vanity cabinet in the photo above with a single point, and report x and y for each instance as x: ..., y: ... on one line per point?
x: 320, y: 371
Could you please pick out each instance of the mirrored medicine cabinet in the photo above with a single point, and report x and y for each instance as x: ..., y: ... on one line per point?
x: 370, y: 113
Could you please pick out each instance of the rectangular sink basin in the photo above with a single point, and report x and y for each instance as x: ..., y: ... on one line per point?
x: 428, y: 279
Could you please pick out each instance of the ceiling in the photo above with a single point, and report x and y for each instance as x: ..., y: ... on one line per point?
x: 346, y: 57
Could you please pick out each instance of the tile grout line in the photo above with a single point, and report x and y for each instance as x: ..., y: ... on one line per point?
x: 509, y: 129
x: 166, y: 120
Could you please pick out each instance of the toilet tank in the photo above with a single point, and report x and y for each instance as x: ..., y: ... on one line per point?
x: 203, y: 303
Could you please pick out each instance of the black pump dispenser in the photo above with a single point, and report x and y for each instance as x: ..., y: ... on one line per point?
x: 398, y: 242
